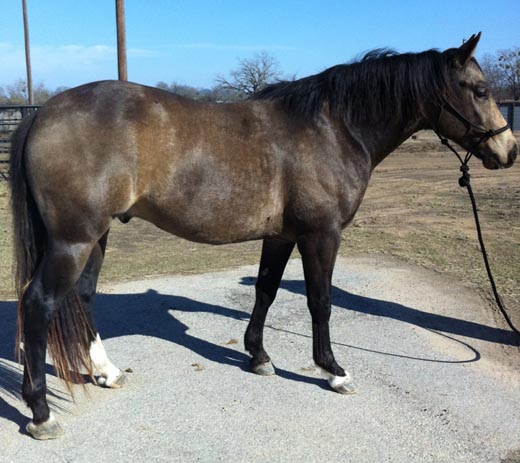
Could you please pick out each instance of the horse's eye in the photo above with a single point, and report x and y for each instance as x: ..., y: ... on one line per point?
x: 481, y: 92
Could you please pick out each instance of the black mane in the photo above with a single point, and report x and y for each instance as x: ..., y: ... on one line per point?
x: 383, y: 85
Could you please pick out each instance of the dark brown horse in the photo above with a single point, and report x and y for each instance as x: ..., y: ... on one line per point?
x: 289, y: 166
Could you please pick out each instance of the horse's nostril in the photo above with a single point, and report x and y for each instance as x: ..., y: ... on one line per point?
x: 513, y: 154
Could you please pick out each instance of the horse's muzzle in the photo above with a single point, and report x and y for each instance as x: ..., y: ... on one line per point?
x: 492, y: 162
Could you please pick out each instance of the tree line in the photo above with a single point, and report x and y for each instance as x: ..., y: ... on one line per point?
x: 502, y: 70
x: 16, y: 93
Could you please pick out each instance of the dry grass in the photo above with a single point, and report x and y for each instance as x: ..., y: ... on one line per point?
x: 414, y: 210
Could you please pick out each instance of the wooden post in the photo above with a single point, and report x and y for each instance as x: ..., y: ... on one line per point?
x: 121, y: 40
x: 30, y: 96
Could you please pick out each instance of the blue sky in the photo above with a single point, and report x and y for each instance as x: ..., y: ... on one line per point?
x: 190, y: 42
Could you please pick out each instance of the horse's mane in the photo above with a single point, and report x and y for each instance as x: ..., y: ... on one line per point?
x: 382, y: 85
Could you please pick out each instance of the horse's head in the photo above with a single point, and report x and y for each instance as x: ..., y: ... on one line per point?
x: 469, y: 114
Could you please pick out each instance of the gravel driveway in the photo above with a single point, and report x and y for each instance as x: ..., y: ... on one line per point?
x: 436, y: 373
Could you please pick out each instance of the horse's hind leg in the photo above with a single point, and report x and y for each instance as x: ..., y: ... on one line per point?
x: 319, y: 255
x: 54, y: 278
x: 275, y: 255
x: 109, y: 374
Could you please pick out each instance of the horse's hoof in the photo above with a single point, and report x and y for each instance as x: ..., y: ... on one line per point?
x: 340, y: 384
x: 112, y: 383
x: 345, y: 388
x: 49, y: 429
x: 263, y: 369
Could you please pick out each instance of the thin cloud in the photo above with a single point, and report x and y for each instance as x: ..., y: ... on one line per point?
x: 219, y: 46
x: 64, y: 57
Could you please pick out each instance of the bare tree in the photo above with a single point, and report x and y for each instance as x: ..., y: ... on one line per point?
x: 502, y: 71
x: 494, y: 75
x: 16, y: 93
x: 251, y: 75
x: 202, y: 94
x: 509, y: 63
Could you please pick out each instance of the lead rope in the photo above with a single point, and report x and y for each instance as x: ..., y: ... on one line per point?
x: 464, y: 181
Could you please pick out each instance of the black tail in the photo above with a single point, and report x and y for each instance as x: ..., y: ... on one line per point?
x: 69, y: 333
x: 28, y: 229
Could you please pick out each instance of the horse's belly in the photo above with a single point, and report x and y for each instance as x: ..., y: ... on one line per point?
x: 214, y: 222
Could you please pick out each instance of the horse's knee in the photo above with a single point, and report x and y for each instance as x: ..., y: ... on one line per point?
x: 320, y: 308
x: 264, y: 296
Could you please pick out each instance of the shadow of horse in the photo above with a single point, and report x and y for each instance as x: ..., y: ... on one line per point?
x: 399, y: 312
x: 146, y: 314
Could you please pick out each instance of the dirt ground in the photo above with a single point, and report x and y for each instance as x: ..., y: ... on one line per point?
x: 413, y: 210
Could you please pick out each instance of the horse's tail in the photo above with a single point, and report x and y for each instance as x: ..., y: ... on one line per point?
x: 69, y: 332
x: 28, y: 229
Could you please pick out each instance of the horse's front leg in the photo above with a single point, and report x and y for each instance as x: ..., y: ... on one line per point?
x: 275, y: 254
x: 319, y: 252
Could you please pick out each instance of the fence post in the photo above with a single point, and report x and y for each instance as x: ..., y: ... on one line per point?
x: 30, y: 96
x: 122, y: 71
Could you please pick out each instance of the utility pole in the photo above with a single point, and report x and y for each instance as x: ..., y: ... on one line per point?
x: 121, y: 40
x: 30, y: 96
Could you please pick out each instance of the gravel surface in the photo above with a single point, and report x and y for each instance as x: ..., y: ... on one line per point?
x: 436, y: 373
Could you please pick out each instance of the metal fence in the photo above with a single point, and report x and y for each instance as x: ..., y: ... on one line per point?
x: 10, y: 117
x: 511, y: 112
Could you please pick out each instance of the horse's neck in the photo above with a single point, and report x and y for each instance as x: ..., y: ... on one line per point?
x: 379, y: 142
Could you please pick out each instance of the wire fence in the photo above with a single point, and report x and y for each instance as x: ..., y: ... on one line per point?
x: 10, y: 117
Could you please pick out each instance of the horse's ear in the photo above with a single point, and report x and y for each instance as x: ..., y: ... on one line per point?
x: 466, y: 51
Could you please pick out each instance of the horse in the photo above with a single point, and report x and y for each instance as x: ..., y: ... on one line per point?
x: 289, y: 166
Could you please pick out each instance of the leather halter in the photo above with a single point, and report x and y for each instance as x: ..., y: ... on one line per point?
x: 486, y: 134
x: 470, y: 125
